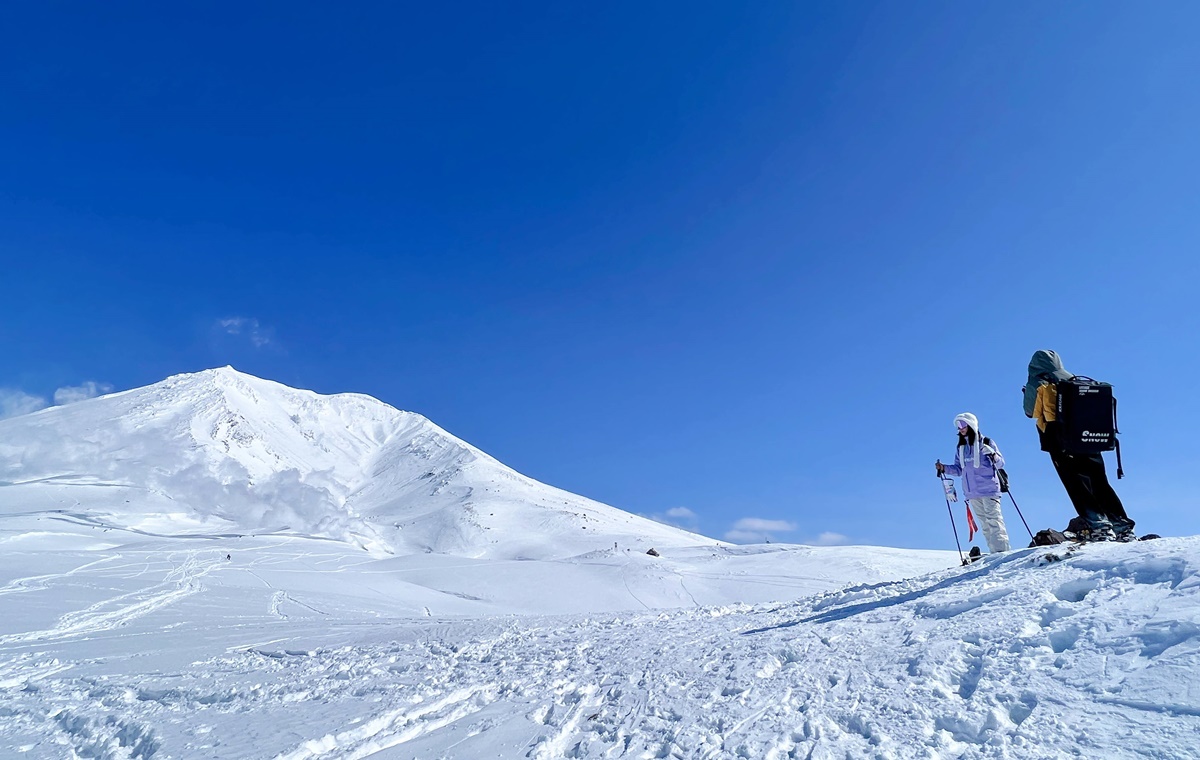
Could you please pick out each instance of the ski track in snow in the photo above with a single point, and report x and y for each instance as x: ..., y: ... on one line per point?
x: 182, y: 580
x: 1091, y: 653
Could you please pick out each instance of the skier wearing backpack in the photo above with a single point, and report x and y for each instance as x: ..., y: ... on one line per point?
x: 1081, y: 474
x: 976, y: 461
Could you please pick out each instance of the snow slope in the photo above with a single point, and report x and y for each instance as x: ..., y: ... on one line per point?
x: 298, y: 648
x: 219, y: 458
x: 183, y: 575
x: 220, y: 451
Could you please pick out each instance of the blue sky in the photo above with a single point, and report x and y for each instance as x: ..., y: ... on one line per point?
x: 735, y: 266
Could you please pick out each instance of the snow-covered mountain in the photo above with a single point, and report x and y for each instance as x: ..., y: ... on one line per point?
x: 223, y: 452
x: 222, y: 458
x: 182, y: 575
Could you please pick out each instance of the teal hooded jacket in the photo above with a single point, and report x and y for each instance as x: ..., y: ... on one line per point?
x: 1043, y: 366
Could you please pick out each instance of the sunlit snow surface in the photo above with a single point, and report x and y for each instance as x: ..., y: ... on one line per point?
x: 218, y: 566
x: 124, y: 647
x: 220, y: 451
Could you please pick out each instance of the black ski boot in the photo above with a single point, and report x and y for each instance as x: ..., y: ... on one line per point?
x: 1098, y: 535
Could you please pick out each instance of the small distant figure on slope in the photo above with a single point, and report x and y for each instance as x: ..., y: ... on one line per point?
x: 977, y: 461
x: 228, y: 557
x: 1082, y: 473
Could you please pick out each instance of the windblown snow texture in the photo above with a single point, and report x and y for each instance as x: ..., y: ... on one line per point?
x: 224, y: 452
x: 295, y: 648
x: 183, y: 575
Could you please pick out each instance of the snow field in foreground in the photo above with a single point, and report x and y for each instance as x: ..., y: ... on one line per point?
x: 1017, y: 656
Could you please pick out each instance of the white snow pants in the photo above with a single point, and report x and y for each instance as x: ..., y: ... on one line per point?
x: 991, y: 522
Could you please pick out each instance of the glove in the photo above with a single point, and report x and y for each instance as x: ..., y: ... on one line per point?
x: 941, y: 468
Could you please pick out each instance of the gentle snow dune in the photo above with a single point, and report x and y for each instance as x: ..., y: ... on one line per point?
x: 294, y: 648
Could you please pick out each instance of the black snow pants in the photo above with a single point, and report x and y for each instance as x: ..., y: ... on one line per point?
x: 1087, y: 485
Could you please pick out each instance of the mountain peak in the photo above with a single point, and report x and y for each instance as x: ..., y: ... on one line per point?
x: 225, y: 377
x: 222, y: 450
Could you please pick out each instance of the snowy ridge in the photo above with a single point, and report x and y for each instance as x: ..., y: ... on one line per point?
x: 1040, y: 653
x: 220, y: 451
x: 182, y: 575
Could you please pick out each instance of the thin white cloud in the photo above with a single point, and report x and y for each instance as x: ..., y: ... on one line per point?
x: 258, y: 334
x: 744, y: 537
x: 756, y: 530
x: 14, y: 403
x: 678, y: 517
x: 829, y: 538
x: 759, y: 524
x: 71, y: 393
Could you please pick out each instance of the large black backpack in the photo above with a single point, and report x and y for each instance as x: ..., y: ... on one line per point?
x: 1087, y: 418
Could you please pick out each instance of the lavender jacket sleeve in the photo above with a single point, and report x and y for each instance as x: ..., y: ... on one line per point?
x: 953, y: 468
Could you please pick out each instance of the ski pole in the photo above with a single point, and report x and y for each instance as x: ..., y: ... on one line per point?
x: 950, y: 511
x: 1008, y: 490
x: 1014, y: 501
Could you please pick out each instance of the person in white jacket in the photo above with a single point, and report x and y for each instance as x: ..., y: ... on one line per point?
x: 976, y: 461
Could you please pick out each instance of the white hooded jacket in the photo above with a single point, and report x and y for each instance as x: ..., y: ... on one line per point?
x: 976, y: 464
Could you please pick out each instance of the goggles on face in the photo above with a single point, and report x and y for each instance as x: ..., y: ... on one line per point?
x: 962, y: 424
